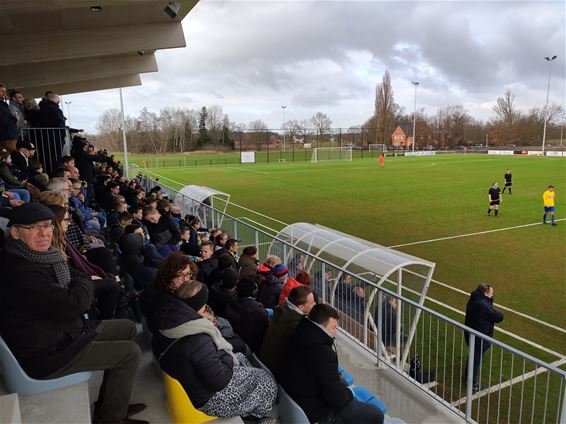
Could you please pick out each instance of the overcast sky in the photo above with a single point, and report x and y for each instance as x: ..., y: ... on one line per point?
x: 252, y: 57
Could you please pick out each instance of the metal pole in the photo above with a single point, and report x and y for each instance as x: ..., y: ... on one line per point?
x: 548, y: 59
x: 126, y: 163
x: 283, y: 107
x: 561, y: 131
x: 486, y: 139
x: 68, y: 112
x: 416, y: 84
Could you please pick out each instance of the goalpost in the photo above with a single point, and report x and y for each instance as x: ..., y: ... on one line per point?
x: 377, y: 147
x: 331, y: 153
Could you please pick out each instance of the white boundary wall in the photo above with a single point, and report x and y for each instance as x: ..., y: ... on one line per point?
x: 500, y: 152
x: 553, y: 153
x: 421, y: 153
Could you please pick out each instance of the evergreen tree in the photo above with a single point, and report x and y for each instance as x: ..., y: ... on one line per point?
x: 203, y: 136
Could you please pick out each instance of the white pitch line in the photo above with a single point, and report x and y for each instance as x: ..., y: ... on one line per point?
x: 469, y: 234
x: 248, y: 170
x: 500, y: 306
x: 498, y: 387
x: 515, y: 336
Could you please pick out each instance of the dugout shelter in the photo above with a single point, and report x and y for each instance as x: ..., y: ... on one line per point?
x: 383, y: 267
x: 205, y: 202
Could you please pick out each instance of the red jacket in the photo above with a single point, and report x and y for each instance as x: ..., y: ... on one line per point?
x: 289, y: 284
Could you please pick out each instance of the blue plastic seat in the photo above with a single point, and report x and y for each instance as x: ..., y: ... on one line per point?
x: 347, y: 377
x: 289, y: 411
x: 17, y: 381
x: 364, y: 395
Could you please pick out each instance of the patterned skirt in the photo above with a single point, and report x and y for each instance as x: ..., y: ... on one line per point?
x: 251, y: 391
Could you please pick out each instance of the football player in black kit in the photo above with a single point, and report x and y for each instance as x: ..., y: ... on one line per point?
x: 508, y: 181
x: 494, y: 199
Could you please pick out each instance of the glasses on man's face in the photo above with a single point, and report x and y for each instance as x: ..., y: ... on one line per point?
x: 36, y: 227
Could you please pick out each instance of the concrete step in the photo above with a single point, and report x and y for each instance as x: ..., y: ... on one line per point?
x: 68, y: 405
x: 10, y: 409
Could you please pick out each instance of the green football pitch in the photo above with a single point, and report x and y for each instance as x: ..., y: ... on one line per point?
x: 434, y: 208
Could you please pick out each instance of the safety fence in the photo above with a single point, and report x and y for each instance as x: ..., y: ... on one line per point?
x: 435, y: 353
x: 51, y: 144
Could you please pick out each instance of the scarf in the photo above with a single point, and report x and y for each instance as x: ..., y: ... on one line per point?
x: 201, y: 326
x: 50, y: 260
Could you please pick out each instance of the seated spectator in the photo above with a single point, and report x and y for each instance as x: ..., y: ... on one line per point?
x: 231, y: 252
x: 220, y: 244
x: 42, y: 303
x: 164, y: 232
x: 191, y: 349
x: 61, y: 173
x: 222, y: 292
x: 185, y: 246
x: 87, y: 216
x: 302, y: 278
x: 118, y: 230
x: 389, y: 324
x: 271, y: 286
x: 21, y: 160
x: 11, y: 182
x: 312, y: 378
x: 224, y: 263
x: 247, y: 265
x: 37, y: 177
x: 8, y: 199
x: 286, y: 317
x: 119, y: 205
x: 106, y: 287
x: 247, y: 316
x: 133, y: 259
x: 207, y: 263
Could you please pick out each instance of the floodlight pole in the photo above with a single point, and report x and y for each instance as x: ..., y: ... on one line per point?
x: 549, y: 59
x: 126, y: 164
x: 416, y: 84
x: 283, y: 107
x: 68, y: 112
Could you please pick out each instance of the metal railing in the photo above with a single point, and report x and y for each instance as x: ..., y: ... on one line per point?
x: 51, y: 144
x: 515, y: 387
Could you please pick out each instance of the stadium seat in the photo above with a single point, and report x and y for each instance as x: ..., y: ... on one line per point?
x: 289, y: 411
x: 17, y: 381
x: 347, y: 377
x: 180, y: 406
x: 364, y: 395
x: 269, y: 312
x: 393, y: 420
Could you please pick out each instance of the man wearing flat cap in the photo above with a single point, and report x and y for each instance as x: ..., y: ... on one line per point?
x: 42, y: 306
x: 20, y: 159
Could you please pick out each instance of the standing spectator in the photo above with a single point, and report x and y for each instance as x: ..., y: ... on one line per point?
x: 312, y: 378
x: 31, y: 112
x: 548, y: 200
x: 481, y: 316
x: 8, y: 124
x: 286, y: 317
x: 494, y: 197
x: 508, y: 181
x: 17, y: 108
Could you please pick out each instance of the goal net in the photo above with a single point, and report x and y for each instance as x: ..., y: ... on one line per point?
x: 377, y: 147
x: 331, y: 153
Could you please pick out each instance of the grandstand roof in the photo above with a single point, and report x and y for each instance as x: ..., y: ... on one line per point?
x: 71, y: 46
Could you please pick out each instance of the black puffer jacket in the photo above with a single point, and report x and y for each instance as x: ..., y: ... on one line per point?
x: 133, y: 260
x: 269, y: 291
x: 166, y: 231
x: 481, y: 315
x: 194, y: 360
x: 312, y: 377
x: 42, y: 322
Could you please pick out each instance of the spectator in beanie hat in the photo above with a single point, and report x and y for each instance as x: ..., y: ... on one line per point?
x: 272, y: 285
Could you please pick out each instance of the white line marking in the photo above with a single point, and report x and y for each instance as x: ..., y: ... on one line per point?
x: 248, y: 170
x: 498, y: 387
x: 538, y: 321
x: 165, y: 178
x: 469, y: 234
x: 522, y: 339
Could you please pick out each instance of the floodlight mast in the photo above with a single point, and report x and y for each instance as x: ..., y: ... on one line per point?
x: 283, y: 107
x: 416, y: 84
x: 549, y: 59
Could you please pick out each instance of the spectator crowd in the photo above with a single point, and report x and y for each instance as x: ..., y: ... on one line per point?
x: 87, y: 252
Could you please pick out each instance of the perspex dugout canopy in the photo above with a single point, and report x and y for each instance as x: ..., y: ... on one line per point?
x: 205, y: 202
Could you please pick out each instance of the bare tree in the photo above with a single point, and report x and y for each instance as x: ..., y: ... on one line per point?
x: 506, y: 119
x: 385, y: 110
x: 321, y: 122
x: 214, y: 119
x: 110, y: 126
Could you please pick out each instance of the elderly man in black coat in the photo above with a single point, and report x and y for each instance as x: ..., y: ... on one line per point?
x: 481, y: 316
x: 312, y: 378
x: 42, y: 303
